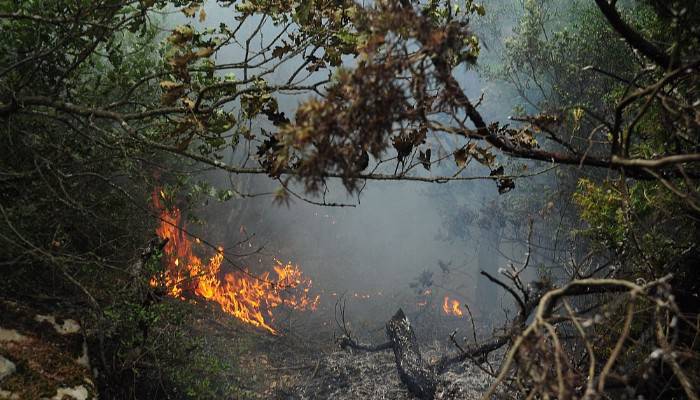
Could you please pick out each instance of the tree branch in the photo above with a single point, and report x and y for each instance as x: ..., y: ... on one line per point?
x: 632, y: 37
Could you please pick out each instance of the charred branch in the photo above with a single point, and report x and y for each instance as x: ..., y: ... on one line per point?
x: 414, y: 371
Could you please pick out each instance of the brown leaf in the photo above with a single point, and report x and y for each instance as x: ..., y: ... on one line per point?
x: 437, y: 37
x: 202, y: 15
x: 461, y: 157
x: 204, y: 52
x: 505, y: 185
x: 281, y: 197
x: 418, y: 136
x: 189, y: 103
x: 181, y: 34
x: 280, y: 51
x: 482, y: 155
x: 169, y: 97
x: 424, y: 158
x: 181, y: 60
x: 524, y: 138
x: 170, y: 85
x: 403, y: 146
x: 190, y: 10
x: 179, y: 63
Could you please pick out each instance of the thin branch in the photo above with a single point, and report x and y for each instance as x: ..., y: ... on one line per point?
x: 517, y: 298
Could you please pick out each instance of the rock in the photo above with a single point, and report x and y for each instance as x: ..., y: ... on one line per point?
x: 7, y: 395
x: 84, y: 358
x: 68, y: 326
x: 11, y: 335
x: 76, y: 393
x: 7, y: 368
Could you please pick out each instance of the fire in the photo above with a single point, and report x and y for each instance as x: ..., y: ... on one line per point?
x: 451, y: 307
x: 247, y: 297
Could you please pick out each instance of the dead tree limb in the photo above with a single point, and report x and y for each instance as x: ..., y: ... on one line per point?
x: 419, y: 376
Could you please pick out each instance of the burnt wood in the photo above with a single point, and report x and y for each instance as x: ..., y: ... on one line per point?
x: 420, y: 378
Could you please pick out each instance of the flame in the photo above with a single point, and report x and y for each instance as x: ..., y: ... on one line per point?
x: 451, y: 307
x: 249, y: 298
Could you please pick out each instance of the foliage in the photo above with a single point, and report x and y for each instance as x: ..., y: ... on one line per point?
x: 560, y: 59
x: 603, y: 208
x: 75, y: 192
x: 161, y: 356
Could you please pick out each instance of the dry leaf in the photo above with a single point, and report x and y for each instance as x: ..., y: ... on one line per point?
x: 204, y: 52
x: 189, y: 103
x: 461, y: 157
x: 170, y: 85
x: 424, y: 158
x: 169, y: 97
x: 181, y: 34
x: 190, y: 10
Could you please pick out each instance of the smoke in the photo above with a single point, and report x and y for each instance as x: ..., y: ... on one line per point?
x: 374, y: 252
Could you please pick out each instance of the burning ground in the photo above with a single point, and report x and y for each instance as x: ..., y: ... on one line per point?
x: 274, y: 325
x: 248, y: 297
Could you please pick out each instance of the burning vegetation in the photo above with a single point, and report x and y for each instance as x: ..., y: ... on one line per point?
x: 451, y: 307
x: 248, y: 297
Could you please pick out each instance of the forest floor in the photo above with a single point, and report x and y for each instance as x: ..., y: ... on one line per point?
x: 300, y: 366
x: 372, y: 376
x: 303, y: 362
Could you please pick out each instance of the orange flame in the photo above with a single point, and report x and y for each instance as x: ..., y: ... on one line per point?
x: 451, y: 307
x: 249, y: 298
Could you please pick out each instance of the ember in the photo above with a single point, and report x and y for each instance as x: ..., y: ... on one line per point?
x: 247, y: 297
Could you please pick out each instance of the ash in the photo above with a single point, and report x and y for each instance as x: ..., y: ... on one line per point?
x: 369, y: 376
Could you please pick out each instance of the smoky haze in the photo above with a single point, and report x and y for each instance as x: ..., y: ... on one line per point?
x: 374, y: 252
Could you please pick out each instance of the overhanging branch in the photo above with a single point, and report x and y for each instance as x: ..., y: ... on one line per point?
x: 632, y: 37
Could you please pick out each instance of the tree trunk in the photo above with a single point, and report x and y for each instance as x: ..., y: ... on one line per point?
x: 419, y: 376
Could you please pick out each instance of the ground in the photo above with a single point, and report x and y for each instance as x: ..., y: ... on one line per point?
x: 42, y: 356
x: 372, y: 376
x: 297, y: 367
